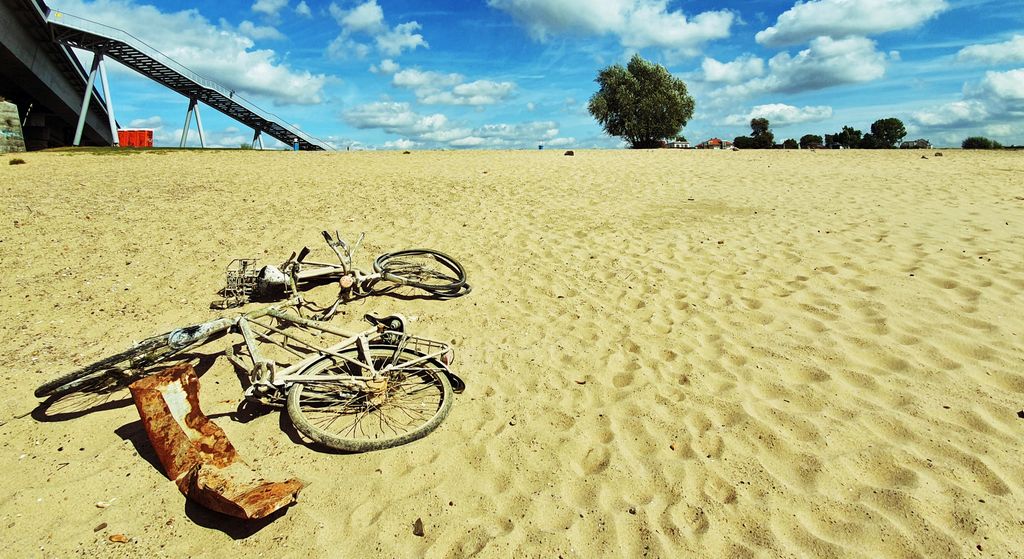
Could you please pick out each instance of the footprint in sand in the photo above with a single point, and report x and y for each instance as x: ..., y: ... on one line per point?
x: 689, y: 519
x: 623, y: 379
x: 596, y: 460
x: 719, y: 490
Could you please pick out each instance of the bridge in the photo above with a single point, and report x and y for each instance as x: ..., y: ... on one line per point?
x: 46, y: 81
x: 66, y: 30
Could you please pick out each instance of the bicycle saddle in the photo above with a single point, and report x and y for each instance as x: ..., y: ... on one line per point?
x: 394, y: 322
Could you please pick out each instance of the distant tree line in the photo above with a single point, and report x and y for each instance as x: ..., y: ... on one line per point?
x: 644, y: 104
x: 885, y: 133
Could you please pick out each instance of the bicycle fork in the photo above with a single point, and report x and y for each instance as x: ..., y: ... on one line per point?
x: 261, y: 376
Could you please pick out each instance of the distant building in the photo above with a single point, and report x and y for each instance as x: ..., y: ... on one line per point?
x: 678, y: 145
x: 916, y: 144
x: 714, y: 143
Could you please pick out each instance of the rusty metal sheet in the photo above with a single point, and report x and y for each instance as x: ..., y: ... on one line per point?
x: 196, y: 453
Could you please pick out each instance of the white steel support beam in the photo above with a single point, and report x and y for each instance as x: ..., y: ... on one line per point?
x: 188, y: 122
x: 87, y: 97
x: 109, y: 101
x: 199, y: 124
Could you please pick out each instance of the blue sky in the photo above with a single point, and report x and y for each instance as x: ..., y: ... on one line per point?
x: 404, y: 74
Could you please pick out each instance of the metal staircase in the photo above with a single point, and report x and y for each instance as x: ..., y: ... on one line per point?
x: 148, y: 61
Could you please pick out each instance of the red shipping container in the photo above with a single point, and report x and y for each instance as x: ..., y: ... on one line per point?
x: 135, y: 137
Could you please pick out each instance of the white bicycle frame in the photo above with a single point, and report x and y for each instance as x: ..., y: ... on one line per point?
x: 266, y: 379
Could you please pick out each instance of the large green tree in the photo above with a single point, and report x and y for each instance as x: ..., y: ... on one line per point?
x: 980, y: 142
x: 848, y: 138
x: 761, y: 136
x: 642, y: 103
x: 870, y: 141
x: 808, y: 140
x: 888, y: 132
x: 761, y: 133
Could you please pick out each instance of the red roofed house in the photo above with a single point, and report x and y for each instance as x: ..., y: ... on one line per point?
x: 715, y: 143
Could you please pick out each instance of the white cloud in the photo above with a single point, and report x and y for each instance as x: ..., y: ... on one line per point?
x: 1003, y: 88
x: 651, y: 25
x: 394, y: 118
x: 545, y: 17
x: 994, y: 105
x: 779, y: 114
x: 226, y: 57
x: 435, y: 88
x: 955, y: 114
x: 253, y: 31
x: 1007, y: 52
x: 402, y: 143
x: 468, y: 142
x: 436, y: 130
x: 343, y: 48
x: 386, y: 66
x: 419, y: 80
x: 531, y: 106
x: 302, y: 9
x: 367, y: 19
x: 149, y: 122
x: 480, y: 92
x: 483, y: 88
x: 638, y: 24
x: 541, y: 130
x: 448, y: 135
x: 825, y: 63
x: 561, y: 142
x: 740, y: 70
x: 269, y: 7
x: 526, y: 134
x: 402, y: 37
x: 843, y: 18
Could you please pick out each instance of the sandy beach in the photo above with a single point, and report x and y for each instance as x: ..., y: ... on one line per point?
x: 667, y: 353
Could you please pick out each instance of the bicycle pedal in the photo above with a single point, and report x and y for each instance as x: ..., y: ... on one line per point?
x: 458, y: 385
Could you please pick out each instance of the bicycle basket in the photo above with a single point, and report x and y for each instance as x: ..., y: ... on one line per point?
x: 240, y: 282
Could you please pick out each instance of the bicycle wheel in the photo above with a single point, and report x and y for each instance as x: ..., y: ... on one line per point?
x: 109, y: 366
x: 414, y: 399
x: 108, y: 371
x: 426, y: 269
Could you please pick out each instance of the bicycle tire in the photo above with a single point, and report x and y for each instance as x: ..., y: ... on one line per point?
x: 67, y: 383
x: 419, y: 268
x: 148, y: 352
x: 313, y: 404
x: 107, y: 380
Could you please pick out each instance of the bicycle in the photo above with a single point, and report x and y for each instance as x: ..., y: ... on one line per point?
x: 373, y: 389
x: 428, y: 270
